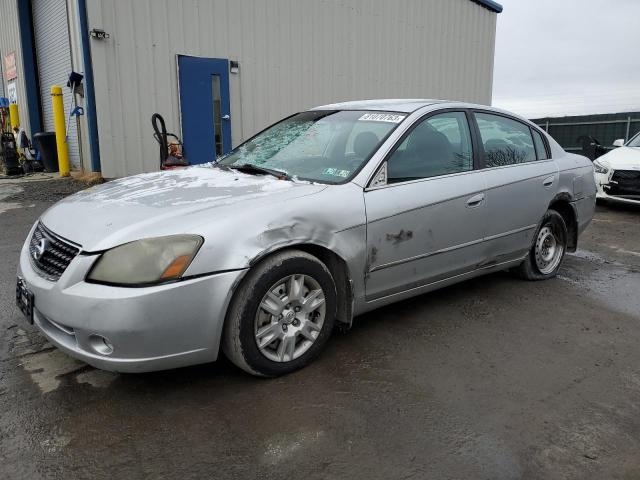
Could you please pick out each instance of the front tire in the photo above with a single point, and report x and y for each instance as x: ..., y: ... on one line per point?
x: 281, y: 316
x: 548, y: 249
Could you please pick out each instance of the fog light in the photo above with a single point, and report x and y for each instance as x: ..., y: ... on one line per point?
x: 100, y: 344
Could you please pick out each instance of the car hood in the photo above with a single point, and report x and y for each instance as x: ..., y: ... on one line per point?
x: 164, y: 203
x: 622, y: 158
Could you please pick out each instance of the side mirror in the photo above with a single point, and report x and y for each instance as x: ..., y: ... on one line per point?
x: 619, y: 142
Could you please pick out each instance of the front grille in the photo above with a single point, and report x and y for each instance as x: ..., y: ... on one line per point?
x: 50, y: 255
x: 626, y: 175
x: 624, y: 183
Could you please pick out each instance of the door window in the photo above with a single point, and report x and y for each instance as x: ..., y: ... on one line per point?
x: 439, y: 145
x: 505, y: 141
x: 217, y: 115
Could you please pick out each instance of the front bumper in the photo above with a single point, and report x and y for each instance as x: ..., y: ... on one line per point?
x: 150, y: 328
x: 606, y: 190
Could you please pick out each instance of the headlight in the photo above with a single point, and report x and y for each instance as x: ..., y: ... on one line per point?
x: 600, y: 167
x: 146, y: 262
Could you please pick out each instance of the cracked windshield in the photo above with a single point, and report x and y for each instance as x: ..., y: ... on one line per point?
x: 323, y: 146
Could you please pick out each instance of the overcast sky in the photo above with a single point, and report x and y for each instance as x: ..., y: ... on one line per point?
x: 567, y: 57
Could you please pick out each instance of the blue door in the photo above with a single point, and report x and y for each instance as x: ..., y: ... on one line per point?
x: 204, y: 105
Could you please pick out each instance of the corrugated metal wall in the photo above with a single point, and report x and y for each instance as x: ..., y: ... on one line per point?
x: 1, y: 75
x: 293, y: 54
x: 9, y: 42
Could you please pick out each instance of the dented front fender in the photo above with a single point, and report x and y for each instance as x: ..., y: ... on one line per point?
x: 333, y: 218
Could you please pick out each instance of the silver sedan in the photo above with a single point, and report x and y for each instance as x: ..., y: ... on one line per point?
x: 321, y: 217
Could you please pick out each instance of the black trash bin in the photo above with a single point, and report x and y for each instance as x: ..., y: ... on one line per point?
x: 46, y: 145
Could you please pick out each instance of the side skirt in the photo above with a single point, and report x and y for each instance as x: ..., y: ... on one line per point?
x: 412, y: 292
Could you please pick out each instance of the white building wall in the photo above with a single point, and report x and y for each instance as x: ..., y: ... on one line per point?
x: 9, y: 42
x: 293, y: 54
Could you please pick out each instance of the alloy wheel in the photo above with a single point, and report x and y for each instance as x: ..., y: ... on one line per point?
x: 289, y: 318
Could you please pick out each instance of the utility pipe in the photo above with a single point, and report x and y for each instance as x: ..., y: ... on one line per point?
x: 61, y: 130
x: 14, y: 116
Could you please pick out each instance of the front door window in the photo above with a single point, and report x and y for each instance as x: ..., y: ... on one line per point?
x: 439, y: 145
x: 217, y: 115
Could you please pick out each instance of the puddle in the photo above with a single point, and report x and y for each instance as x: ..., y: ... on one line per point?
x: 8, y: 191
x: 5, y: 207
x: 625, y: 252
x: 96, y: 378
x: 498, y: 461
x: 611, y: 283
x: 47, y: 368
x: 282, y: 449
x: 587, y: 255
x: 55, y: 443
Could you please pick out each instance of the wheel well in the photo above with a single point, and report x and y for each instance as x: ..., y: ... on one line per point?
x: 564, y: 208
x: 340, y: 273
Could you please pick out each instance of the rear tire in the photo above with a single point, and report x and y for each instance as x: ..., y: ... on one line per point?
x: 281, y: 316
x: 548, y: 249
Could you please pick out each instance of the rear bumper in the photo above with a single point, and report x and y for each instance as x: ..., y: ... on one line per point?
x: 150, y: 328
x: 584, y: 209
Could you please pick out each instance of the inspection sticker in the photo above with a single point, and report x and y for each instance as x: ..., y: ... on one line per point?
x: 382, y: 117
x: 337, y: 172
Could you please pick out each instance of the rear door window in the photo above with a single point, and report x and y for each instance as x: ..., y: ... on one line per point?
x: 505, y: 141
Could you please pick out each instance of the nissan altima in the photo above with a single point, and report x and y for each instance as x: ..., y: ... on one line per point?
x: 321, y: 217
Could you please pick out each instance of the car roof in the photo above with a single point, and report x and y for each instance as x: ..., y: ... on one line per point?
x: 409, y: 105
x: 406, y: 105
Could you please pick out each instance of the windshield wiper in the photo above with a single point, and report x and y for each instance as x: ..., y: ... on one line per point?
x: 250, y: 168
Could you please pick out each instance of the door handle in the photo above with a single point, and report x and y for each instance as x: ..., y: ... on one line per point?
x: 475, y: 201
x: 226, y: 117
x: 548, y: 182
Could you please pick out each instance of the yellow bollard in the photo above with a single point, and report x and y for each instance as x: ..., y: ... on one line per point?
x: 61, y: 130
x: 14, y: 116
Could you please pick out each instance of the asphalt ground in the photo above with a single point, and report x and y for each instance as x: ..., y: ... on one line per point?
x: 493, y: 378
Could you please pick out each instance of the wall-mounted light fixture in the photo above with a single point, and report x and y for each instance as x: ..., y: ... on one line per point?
x: 234, y: 66
x: 98, y: 34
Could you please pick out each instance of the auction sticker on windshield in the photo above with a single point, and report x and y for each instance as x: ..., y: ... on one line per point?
x: 382, y: 117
